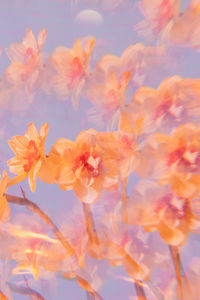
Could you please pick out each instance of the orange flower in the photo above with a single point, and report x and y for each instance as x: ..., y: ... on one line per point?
x: 174, y: 102
x: 4, y: 208
x: 165, y: 155
x: 180, y: 152
x: 30, y: 154
x: 82, y: 166
x: 122, y: 148
x: 164, y: 18
x: 70, y: 68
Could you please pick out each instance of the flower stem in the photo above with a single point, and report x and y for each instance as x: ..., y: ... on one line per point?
x: 176, y: 258
x: 94, y: 243
x: 140, y: 290
x: 23, y: 201
x: 35, y: 208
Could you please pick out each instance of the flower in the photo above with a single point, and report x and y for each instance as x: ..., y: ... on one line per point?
x: 109, y: 98
x: 185, y: 29
x: 175, y: 102
x: 26, y: 61
x: 159, y: 208
x: 30, y: 154
x: 122, y: 148
x: 138, y: 59
x: 164, y: 18
x: 166, y: 155
x: 69, y: 69
x: 157, y: 16
x: 82, y: 166
x: 180, y: 152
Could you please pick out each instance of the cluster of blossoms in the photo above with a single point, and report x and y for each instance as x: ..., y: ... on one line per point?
x: 153, y: 137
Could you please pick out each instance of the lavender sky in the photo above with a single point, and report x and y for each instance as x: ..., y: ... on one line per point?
x: 113, y: 36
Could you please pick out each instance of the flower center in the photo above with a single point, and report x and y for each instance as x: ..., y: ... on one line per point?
x: 29, y: 52
x: 89, y: 162
x: 76, y: 73
x: 168, y: 109
x: 175, y: 205
x: 185, y: 157
x: 31, y: 156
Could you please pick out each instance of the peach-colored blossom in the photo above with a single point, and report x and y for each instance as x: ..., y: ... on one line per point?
x: 26, y: 66
x: 165, y: 20
x: 159, y: 208
x: 181, y: 151
x: 123, y: 148
x: 157, y: 15
x: 68, y: 70
x: 175, y: 102
x: 30, y: 154
x: 184, y: 30
x: 82, y: 166
x: 109, y: 99
x: 138, y: 59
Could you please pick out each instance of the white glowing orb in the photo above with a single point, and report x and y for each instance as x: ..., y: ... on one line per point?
x: 89, y: 17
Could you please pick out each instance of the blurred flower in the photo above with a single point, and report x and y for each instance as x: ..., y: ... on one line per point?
x: 109, y: 99
x: 159, y: 208
x: 164, y: 155
x: 68, y: 70
x: 122, y: 148
x: 165, y: 20
x: 175, y: 102
x: 157, y: 16
x: 137, y: 59
x: 26, y: 62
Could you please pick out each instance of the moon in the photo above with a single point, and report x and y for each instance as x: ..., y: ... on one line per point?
x: 89, y: 17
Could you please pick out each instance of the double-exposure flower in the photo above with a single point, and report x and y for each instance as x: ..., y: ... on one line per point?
x: 109, y: 99
x: 30, y: 154
x: 69, y: 69
x: 26, y: 62
x: 159, y: 208
x: 175, y: 102
x: 176, y: 154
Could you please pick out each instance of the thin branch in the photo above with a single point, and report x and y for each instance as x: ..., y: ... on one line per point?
x: 26, y: 291
x: 92, y: 233
x: 140, y: 290
x: 35, y: 208
x: 176, y: 258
